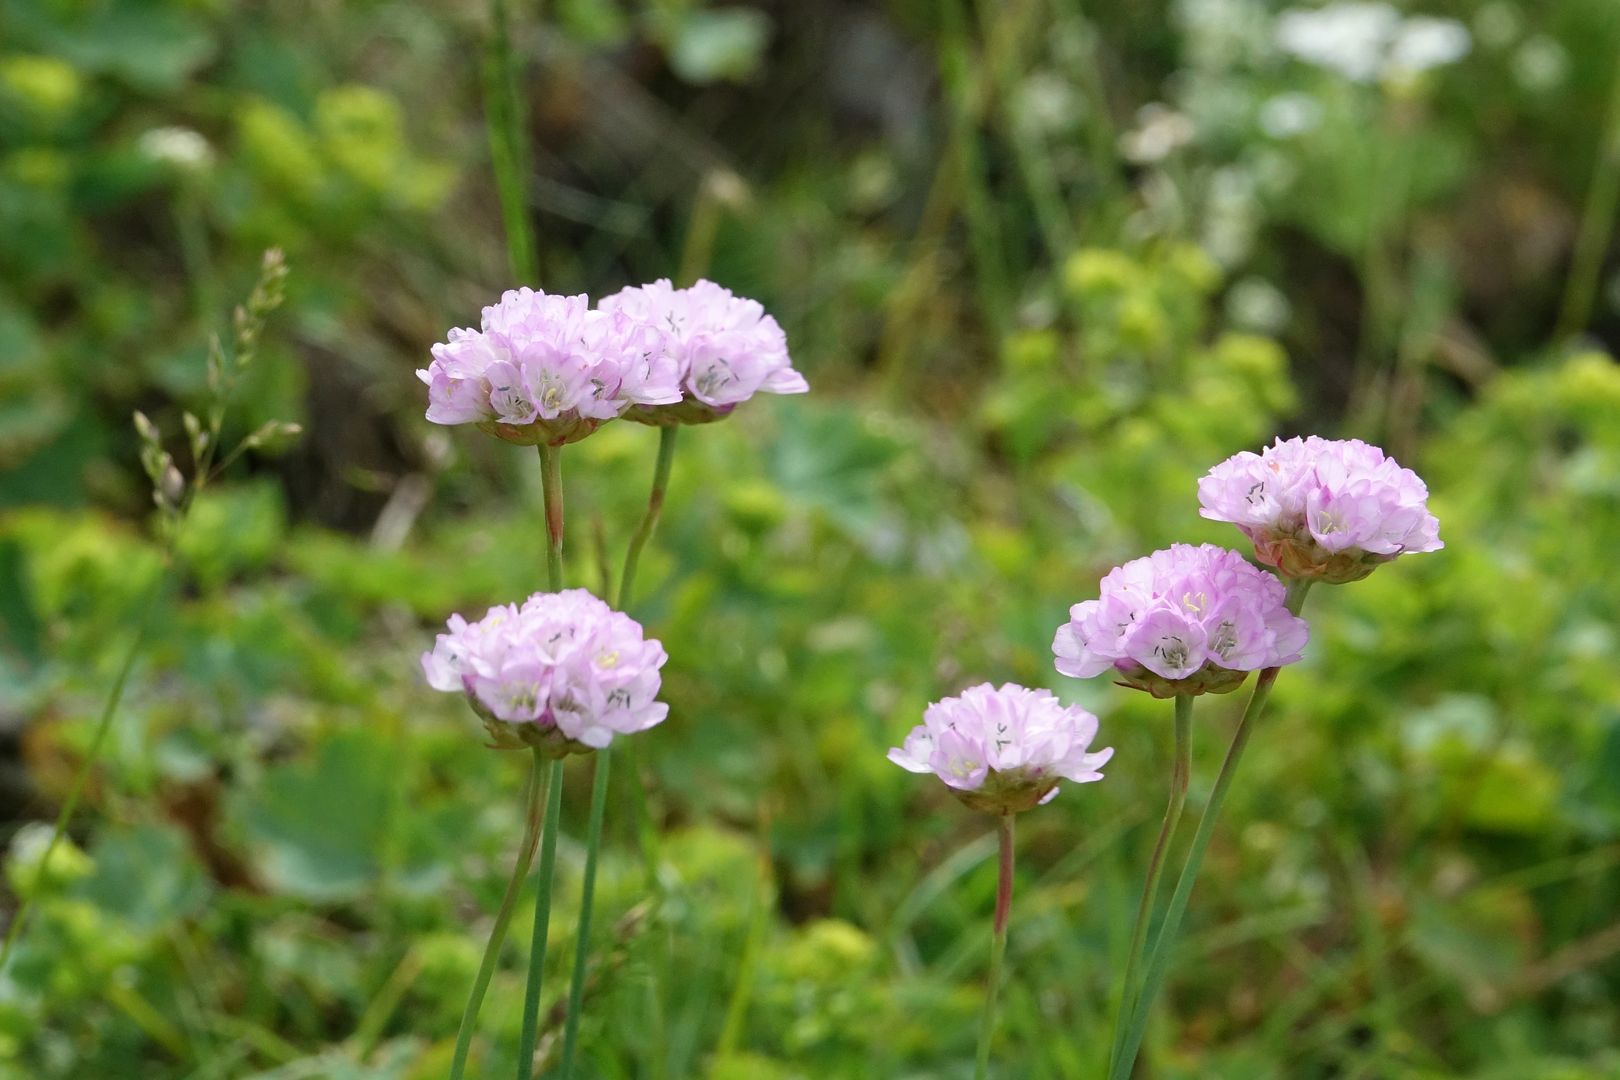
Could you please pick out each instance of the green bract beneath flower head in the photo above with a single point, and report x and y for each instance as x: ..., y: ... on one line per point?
x: 550, y: 741
x: 1009, y: 792
x: 559, y: 432
x: 1209, y: 679
x: 1303, y: 557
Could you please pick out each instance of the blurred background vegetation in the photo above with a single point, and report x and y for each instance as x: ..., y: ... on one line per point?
x: 1043, y: 262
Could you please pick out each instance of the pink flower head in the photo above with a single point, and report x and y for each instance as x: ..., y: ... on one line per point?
x: 1186, y: 620
x: 1003, y: 749
x: 547, y: 369
x: 562, y: 671
x: 725, y: 348
x: 1329, y: 510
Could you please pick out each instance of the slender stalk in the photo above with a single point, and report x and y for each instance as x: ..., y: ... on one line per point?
x: 509, y: 146
x: 649, y: 519
x: 194, y: 254
x: 960, y: 70
x: 998, y: 945
x: 1597, y: 226
x: 582, y: 941
x: 747, y: 965
x: 542, y: 919
x: 647, y: 836
x: 552, y: 492
x: 92, y: 755
x: 1180, y: 770
x: 1382, y: 259
x: 1159, y: 960
x: 534, y: 792
x: 721, y: 189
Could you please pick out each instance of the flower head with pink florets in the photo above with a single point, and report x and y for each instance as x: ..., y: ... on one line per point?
x: 1322, y: 509
x: 1003, y: 749
x: 561, y: 671
x: 1185, y: 620
x: 725, y: 348
x: 546, y: 369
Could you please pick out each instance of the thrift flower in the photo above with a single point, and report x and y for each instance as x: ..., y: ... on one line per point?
x: 1328, y: 510
x: 547, y: 369
x: 1186, y: 620
x: 725, y: 349
x: 562, y: 671
x: 178, y: 148
x: 1005, y: 749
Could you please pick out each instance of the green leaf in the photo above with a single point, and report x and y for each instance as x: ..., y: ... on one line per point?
x: 147, y: 876
x: 152, y: 47
x: 233, y: 529
x: 317, y: 828
x: 19, y: 621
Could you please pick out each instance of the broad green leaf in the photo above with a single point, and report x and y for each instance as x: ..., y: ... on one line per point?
x: 317, y: 827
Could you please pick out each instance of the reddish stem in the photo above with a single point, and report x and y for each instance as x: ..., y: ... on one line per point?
x: 1005, y: 884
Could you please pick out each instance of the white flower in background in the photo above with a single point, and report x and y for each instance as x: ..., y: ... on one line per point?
x: 1351, y: 38
x: 1048, y: 104
x: 1283, y: 116
x: 1496, y: 24
x: 1256, y: 304
x: 1218, y: 34
x: 1231, y: 215
x: 1540, y: 64
x: 176, y: 147
x: 1366, y: 41
x: 1425, y: 43
x: 1160, y: 131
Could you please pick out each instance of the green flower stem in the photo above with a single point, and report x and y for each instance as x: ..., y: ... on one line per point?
x: 582, y: 940
x: 1597, y: 226
x: 1180, y: 769
x: 552, y: 494
x: 534, y: 794
x: 509, y: 146
x: 551, y: 487
x: 649, y: 520
x: 542, y: 919
x: 92, y: 755
x: 1159, y: 959
x: 647, y: 835
x: 998, y: 946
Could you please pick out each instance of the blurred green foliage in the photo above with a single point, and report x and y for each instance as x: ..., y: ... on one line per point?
x: 1033, y: 310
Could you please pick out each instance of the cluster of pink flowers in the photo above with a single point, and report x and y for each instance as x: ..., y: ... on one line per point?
x: 562, y: 671
x: 1185, y: 620
x: 1192, y: 620
x: 1331, y: 511
x: 1003, y: 749
x: 726, y: 348
x: 547, y: 369
x: 552, y: 369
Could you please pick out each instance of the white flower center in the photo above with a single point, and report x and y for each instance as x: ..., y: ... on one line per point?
x: 1173, y: 651
x: 1224, y: 640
